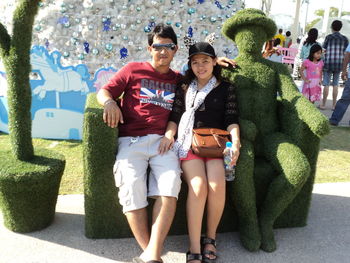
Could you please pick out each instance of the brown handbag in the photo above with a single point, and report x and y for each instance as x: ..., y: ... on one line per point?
x: 209, y: 142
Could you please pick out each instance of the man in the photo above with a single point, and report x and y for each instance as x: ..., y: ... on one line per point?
x: 148, y: 90
x: 281, y: 37
x: 335, y: 45
x: 343, y: 104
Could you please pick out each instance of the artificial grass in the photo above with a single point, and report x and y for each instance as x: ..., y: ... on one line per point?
x: 29, y: 189
x: 288, y: 131
x: 15, y: 55
x: 72, y: 179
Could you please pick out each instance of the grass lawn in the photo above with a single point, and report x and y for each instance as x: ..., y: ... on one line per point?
x: 72, y: 180
x: 333, y: 161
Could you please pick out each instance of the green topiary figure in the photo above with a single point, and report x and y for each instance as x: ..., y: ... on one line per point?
x: 15, y: 53
x: 28, y: 182
x: 280, y: 135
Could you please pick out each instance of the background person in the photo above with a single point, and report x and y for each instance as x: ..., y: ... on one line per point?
x: 343, y: 104
x: 334, y: 45
x: 288, y: 40
x: 311, y: 73
x: 280, y: 36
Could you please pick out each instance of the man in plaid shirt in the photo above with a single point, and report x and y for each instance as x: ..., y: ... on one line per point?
x: 335, y: 45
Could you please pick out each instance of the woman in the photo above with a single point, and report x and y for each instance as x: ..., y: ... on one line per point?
x: 308, y: 43
x: 203, y: 100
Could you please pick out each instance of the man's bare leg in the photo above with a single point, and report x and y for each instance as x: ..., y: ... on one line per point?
x: 163, y: 215
x: 138, y: 223
x: 335, y: 95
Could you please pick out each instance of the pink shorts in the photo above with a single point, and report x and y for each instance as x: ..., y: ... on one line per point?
x: 192, y: 156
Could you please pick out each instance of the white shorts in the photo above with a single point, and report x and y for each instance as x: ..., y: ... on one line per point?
x: 134, y: 156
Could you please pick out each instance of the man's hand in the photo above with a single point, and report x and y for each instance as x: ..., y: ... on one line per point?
x: 226, y: 62
x: 344, y: 75
x: 166, y: 143
x: 112, y: 114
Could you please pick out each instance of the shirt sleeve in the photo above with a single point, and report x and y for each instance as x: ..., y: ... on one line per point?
x: 231, y: 107
x: 325, y: 43
x: 346, y: 42
x: 302, y: 52
x: 178, y: 106
x: 305, y: 63
x: 120, y: 80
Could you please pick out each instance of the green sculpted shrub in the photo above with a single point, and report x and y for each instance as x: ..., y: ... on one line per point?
x: 280, y: 131
x: 29, y: 182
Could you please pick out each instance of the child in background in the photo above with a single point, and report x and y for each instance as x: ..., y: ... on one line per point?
x: 312, y: 66
x: 288, y: 41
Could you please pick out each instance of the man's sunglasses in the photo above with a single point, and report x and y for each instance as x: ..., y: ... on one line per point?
x: 159, y: 47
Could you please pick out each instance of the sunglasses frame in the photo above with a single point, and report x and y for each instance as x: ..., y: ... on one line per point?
x: 159, y: 47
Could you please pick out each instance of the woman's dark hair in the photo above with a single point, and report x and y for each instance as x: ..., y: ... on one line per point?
x: 311, y: 37
x: 315, y: 48
x: 162, y: 31
x: 190, y: 76
x: 288, y: 33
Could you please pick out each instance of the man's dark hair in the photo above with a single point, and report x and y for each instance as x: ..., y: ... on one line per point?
x: 162, y: 31
x: 336, y: 25
x: 280, y: 30
x: 288, y: 33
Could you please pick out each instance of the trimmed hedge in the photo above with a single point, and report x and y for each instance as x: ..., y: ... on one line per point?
x: 15, y: 54
x: 28, y: 190
x: 281, y: 136
x: 103, y: 214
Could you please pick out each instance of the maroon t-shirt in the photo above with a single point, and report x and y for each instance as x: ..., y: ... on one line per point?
x: 147, y: 99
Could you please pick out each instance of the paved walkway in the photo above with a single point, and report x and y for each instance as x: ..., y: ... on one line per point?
x: 325, y: 239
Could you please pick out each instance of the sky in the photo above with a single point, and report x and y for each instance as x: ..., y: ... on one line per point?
x: 288, y: 7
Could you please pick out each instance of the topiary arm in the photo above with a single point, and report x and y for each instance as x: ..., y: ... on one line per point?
x: 23, y: 20
x: 307, y: 112
x: 248, y: 129
x: 5, y: 41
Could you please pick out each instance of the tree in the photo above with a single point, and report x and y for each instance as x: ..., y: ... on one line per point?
x: 333, y: 12
x: 15, y: 53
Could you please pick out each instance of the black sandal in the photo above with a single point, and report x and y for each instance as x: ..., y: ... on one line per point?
x: 193, y: 256
x: 208, y: 253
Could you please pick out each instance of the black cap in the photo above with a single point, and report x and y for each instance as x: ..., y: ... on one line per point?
x: 201, y: 48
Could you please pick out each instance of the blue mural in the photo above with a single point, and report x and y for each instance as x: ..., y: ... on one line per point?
x: 58, y: 95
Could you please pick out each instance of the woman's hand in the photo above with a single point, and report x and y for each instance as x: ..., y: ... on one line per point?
x: 166, y: 143
x: 235, y: 152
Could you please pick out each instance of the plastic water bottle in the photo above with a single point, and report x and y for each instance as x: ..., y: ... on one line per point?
x: 229, y: 169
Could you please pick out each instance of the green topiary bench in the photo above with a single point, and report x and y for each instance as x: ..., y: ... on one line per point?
x: 103, y: 214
